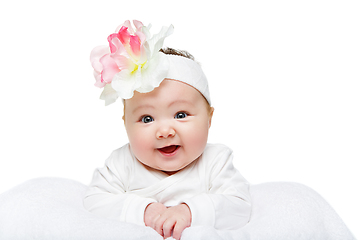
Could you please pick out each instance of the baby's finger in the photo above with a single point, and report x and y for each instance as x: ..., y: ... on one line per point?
x: 179, y: 228
x: 168, y: 227
x: 158, y: 226
x: 153, y: 222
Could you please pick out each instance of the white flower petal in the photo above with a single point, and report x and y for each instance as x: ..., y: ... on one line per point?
x: 146, y: 31
x: 109, y: 95
x: 157, y: 41
x: 154, y: 74
x: 125, y: 83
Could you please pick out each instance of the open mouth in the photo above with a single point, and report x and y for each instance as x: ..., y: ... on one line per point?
x: 169, y: 150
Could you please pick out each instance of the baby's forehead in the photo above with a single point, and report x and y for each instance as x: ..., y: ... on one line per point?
x: 169, y: 91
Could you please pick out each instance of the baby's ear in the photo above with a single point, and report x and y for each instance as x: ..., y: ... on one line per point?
x: 211, y: 115
x: 123, y: 117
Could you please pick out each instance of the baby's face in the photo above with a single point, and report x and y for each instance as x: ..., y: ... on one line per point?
x: 168, y: 127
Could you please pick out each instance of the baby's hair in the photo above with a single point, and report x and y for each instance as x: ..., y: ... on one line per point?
x: 183, y: 53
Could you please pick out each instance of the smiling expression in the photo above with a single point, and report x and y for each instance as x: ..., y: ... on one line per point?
x: 168, y: 127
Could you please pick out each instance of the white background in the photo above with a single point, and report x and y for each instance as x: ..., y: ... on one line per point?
x: 284, y: 80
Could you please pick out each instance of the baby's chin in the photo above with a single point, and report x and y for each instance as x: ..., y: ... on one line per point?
x: 170, y: 172
x: 175, y: 170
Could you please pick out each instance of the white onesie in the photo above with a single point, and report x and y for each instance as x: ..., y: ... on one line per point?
x: 214, y: 190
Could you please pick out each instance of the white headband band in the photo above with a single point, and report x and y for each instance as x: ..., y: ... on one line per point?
x: 189, y: 72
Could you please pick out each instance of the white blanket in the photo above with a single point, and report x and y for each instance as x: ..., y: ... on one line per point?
x: 51, y: 209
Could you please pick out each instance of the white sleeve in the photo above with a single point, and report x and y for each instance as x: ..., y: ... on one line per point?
x: 107, y: 196
x: 227, y: 203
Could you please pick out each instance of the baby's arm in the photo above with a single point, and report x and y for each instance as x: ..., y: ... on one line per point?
x: 107, y: 194
x: 227, y: 203
x: 168, y: 220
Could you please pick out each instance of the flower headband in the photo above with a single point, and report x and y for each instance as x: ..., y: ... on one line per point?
x: 132, y: 62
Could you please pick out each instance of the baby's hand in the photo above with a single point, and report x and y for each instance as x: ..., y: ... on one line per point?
x: 174, y: 219
x: 152, y: 212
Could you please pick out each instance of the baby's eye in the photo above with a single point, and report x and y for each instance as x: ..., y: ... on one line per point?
x: 147, y: 119
x: 181, y: 115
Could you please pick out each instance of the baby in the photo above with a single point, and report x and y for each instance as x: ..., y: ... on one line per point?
x: 167, y: 177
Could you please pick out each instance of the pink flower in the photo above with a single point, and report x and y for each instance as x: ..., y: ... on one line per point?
x: 107, y: 61
x: 125, y: 59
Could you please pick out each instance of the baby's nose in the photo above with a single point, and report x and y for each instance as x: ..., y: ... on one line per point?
x: 165, y: 132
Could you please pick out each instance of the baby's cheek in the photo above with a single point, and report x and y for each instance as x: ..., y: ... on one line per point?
x: 198, y: 139
x: 139, y: 146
